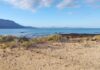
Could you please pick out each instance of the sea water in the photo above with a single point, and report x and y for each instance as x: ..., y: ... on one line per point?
x: 35, y: 32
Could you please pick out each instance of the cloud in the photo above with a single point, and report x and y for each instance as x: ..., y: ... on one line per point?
x: 46, y: 3
x: 94, y: 3
x: 77, y: 3
x: 33, y: 5
x: 23, y: 4
x: 67, y: 4
x: 29, y: 4
x: 91, y: 1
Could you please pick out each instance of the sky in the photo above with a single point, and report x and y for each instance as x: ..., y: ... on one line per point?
x: 52, y: 13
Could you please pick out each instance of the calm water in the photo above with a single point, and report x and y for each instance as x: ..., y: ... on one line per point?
x: 46, y: 31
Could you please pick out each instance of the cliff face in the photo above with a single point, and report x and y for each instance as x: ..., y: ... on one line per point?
x: 9, y: 24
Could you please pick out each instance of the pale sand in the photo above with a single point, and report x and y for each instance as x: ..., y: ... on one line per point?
x: 58, y: 56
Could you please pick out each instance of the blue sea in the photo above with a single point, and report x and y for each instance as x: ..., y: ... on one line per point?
x: 47, y: 31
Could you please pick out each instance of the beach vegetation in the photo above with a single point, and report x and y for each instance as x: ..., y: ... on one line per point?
x: 24, y: 42
x: 12, y: 41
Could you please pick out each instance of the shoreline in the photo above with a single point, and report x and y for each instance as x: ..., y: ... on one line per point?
x: 63, y: 34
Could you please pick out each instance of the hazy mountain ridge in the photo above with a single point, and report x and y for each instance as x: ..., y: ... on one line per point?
x: 4, y: 24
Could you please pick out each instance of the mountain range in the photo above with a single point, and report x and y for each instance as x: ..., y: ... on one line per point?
x: 9, y: 24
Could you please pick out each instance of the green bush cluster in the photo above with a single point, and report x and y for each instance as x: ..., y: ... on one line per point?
x: 12, y: 41
x: 7, y: 38
x: 50, y: 38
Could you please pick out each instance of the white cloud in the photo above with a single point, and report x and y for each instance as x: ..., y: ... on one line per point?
x: 78, y: 3
x: 91, y: 1
x: 67, y: 3
x: 94, y: 3
x: 46, y: 3
x: 29, y: 4
x: 24, y: 4
x: 33, y: 5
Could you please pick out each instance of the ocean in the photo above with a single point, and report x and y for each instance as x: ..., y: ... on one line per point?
x: 47, y: 31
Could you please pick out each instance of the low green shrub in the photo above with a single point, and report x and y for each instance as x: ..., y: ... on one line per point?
x: 22, y: 39
x: 7, y: 38
x: 47, y: 39
x: 12, y: 41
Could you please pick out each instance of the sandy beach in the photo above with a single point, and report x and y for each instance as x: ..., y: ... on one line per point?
x: 83, y: 55
x: 49, y: 34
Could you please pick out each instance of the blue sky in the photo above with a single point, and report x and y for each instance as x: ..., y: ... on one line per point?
x: 52, y: 13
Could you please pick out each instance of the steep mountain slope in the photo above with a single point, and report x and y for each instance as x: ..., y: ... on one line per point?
x: 9, y: 24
